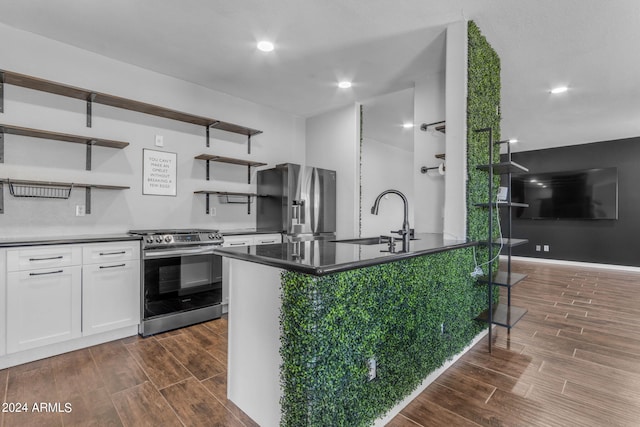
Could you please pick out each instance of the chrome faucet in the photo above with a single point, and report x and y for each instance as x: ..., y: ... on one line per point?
x: 406, y: 231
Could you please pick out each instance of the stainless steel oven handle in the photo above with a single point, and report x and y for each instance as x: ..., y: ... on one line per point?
x: 178, y: 252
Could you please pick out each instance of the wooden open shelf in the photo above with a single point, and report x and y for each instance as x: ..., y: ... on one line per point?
x: 30, y: 82
x: 36, y: 133
x: 62, y: 184
x: 224, y: 193
x: 230, y: 160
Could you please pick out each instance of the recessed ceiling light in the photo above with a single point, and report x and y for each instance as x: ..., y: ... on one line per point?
x: 407, y: 125
x: 265, y: 46
x: 344, y: 84
x: 559, y: 89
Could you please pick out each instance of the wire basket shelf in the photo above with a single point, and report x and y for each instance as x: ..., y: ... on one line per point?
x: 40, y: 190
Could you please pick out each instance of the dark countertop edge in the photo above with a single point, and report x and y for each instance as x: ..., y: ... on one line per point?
x: 337, y: 268
x: 65, y: 240
x: 240, y: 232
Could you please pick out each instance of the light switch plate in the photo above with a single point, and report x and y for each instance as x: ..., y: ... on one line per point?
x: 80, y: 210
x: 159, y: 141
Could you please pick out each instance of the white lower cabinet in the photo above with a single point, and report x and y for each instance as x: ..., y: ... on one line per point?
x: 43, y: 307
x: 110, y: 296
x: 52, y: 296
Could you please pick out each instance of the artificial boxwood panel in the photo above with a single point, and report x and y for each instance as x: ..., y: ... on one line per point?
x: 332, y: 325
x: 483, y: 111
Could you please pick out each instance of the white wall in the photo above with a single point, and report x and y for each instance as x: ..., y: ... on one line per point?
x: 332, y: 141
x: 385, y: 167
x: 429, y: 107
x: 118, y: 211
x: 455, y: 212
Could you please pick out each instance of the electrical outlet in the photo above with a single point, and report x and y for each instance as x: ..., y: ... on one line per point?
x: 212, y: 211
x: 159, y: 141
x: 371, y: 364
x: 546, y: 248
x: 80, y: 210
x: 538, y: 248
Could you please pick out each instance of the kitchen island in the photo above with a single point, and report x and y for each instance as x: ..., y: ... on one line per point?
x: 339, y: 333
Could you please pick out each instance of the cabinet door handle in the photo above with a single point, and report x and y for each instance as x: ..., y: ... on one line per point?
x: 113, y: 253
x: 112, y: 266
x: 267, y: 241
x: 46, y: 272
x: 237, y: 244
x: 46, y: 259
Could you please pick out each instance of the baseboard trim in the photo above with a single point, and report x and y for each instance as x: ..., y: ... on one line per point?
x: 573, y: 263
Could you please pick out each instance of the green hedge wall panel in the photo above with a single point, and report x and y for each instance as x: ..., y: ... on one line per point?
x: 332, y: 325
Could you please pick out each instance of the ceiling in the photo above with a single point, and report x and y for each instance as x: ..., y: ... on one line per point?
x: 382, y: 46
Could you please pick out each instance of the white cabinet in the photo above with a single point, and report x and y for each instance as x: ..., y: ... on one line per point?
x: 53, y: 296
x: 240, y: 240
x: 251, y: 239
x: 110, y: 286
x: 267, y: 239
x: 43, y: 304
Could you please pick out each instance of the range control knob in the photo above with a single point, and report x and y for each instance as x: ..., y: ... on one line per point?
x: 167, y: 239
x: 149, y: 239
x: 211, y: 236
x: 159, y: 239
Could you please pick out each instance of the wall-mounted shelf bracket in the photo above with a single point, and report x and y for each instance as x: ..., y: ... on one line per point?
x: 90, y: 99
x: 442, y: 128
x: 209, y: 126
x: 87, y: 200
x: 1, y: 92
x: 1, y: 197
x: 1, y: 145
x: 89, y: 149
x: 248, y: 144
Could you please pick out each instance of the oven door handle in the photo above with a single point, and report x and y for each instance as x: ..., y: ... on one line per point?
x: 178, y: 252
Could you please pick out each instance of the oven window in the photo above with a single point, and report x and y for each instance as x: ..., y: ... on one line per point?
x: 182, y: 283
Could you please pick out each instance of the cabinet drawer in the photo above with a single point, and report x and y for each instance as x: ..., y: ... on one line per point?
x: 111, y: 252
x: 43, y: 257
x: 233, y: 241
x: 267, y: 239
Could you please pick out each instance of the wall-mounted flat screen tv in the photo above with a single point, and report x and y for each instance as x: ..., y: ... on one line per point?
x: 577, y: 194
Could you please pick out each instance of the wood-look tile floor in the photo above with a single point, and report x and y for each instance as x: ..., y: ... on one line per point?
x: 573, y: 360
x: 173, y: 379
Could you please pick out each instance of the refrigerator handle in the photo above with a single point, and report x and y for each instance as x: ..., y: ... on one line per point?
x: 297, y: 211
x: 315, y: 197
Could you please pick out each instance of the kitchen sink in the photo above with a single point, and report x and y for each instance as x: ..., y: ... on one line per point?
x: 369, y: 240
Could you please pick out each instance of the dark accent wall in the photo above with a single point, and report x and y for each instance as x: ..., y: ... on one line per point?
x: 599, y: 241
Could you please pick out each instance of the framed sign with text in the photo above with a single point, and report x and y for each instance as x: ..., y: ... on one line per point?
x: 159, y: 172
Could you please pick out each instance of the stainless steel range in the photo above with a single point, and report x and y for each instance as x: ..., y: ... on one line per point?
x: 181, y: 278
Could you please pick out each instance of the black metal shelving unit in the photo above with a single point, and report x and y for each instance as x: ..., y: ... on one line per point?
x: 504, y: 315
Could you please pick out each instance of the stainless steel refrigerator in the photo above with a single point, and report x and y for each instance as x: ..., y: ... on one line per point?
x: 299, y: 201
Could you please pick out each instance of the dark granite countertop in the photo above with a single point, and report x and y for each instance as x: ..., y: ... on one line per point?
x: 241, y: 231
x: 64, y: 240
x: 320, y: 257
